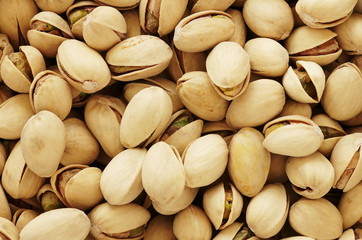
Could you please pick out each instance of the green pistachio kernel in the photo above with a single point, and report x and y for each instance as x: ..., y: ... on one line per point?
x: 307, y: 83
x: 50, y: 201
x: 76, y: 15
x: 331, y: 132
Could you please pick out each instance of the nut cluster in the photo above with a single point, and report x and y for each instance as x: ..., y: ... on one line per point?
x: 187, y: 119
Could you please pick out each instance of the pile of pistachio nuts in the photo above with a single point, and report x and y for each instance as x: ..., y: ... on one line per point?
x: 180, y: 119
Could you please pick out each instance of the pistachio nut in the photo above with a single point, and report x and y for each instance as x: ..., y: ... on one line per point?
x: 310, y: 44
x: 54, y: 5
x: 228, y: 67
x: 203, y: 5
x: 87, y: 71
x: 349, y: 206
x: 81, y: 147
x: 192, y: 223
x: 292, y: 107
x: 324, y: 14
x: 5, y: 48
x: 219, y: 127
x: 5, y: 93
x: 103, y: 115
x: 160, y: 228
x: 306, y: 83
x: 78, y: 186
x: 5, y: 211
x: 271, y: 19
x: 332, y: 132
x: 236, y: 231
x: 277, y: 173
x: 48, y: 199
x: 262, y: 100
x: 268, y: 58
x: 14, y: 20
x: 118, y: 222
x: 17, y: 179
x: 163, y: 175
x: 346, y: 160
x: 268, y: 210
x: 46, y: 90
x: 222, y: 203
x: 311, y: 176
x: 286, y: 136
x: 187, y: 197
x: 119, y: 189
x: 182, y: 129
x: 138, y: 57
x: 103, y: 28
x: 8, y: 230
x: 19, y: 68
x: 350, y: 234
x: 202, y: 30
x: 205, y: 160
x: 120, y: 5
x: 43, y: 143
x: 132, y: 22
x: 47, y: 31
x: 145, y: 117
x: 248, y: 176
x: 17, y: 107
x: 58, y: 224
x: 160, y: 16
x: 23, y: 216
x: 309, y: 216
x: 199, y: 96
x: 239, y: 35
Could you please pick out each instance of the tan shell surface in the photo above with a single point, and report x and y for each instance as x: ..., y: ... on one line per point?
x: 23, y: 216
x: 54, y: 5
x: 8, y: 230
x: 160, y: 228
x: 239, y: 35
x: 229, y: 232
x: 5, y: 211
x: 203, y: 5
x: 126, y: 4
x: 349, y: 206
x: 292, y: 107
x: 348, y: 235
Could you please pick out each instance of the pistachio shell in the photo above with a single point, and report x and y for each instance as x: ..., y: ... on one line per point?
x: 4, y: 205
x: 126, y: 4
x: 239, y: 35
x: 128, y: 184
x: 309, y: 216
x: 205, y: 160
x: 229, y: 232
x: 160, y: 228
x: 132, y: 22
x: 203, y: 5
x: 64, y: 223
x: 6, y: 48
x: 349, y: 206
x: 348, y: 235
x: 43, y: 143
x: 23, y: 216
x: 8, y: 230
x: 292, y: 107
x: 268, y: 211
x: 54, y: 5
x: 248, y: 176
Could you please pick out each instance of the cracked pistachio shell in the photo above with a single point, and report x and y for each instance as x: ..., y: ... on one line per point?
x: 5, y: 211
x: 8, y: 230
x: 262, y: 100
x: 292, y: 107
x: 163, y: 175
x: 332, y: 132
x: 311, y: 176
x: 309, y: 216
x: 17, y: 179
x: 268, y: 211
x: 46, y: 90
x: 161, y: 16
x: 338, y: 105
x: 103, y: 28
x: 17, y: 107
x: 199, y: 96
x: 43, y: 143
x: 138, y: 57
x: 78, y: 186
x: 350, y: 207
x: 248, y: 176
x: 54, y: 5
x: 119, y: 189
x: 324, y: 14
x: 45, y: 41
x: 130, y: 89
x: 16, y: 79
x: 181, y: 136
x: 132, y: 22
x: 103, y: 115
x: 203, y: 5
x: 346, y: 159
x: 192, y: 224
x: 348, y: 35
x: 120, y: 5
x: 205, y: 160
x: 146, y: 116
x: 14, y: 20
x: 87, y: 71
x: 58, y: 224
x: 109, y: 221
x: 5, y: 48
x: 47, y: 198
x: 271, y: 19
x: 286, y: 136
x: 81, y: 147
x: 228, y: 67
x: 187, y: 197
x: 214, y: 201
x: 23, y: 216
x: 306, y: 83
x: 202, y: 30
x: 160, y: 228
x: 315, y: 45
x: 239, y: 35
x: 268, y: 57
